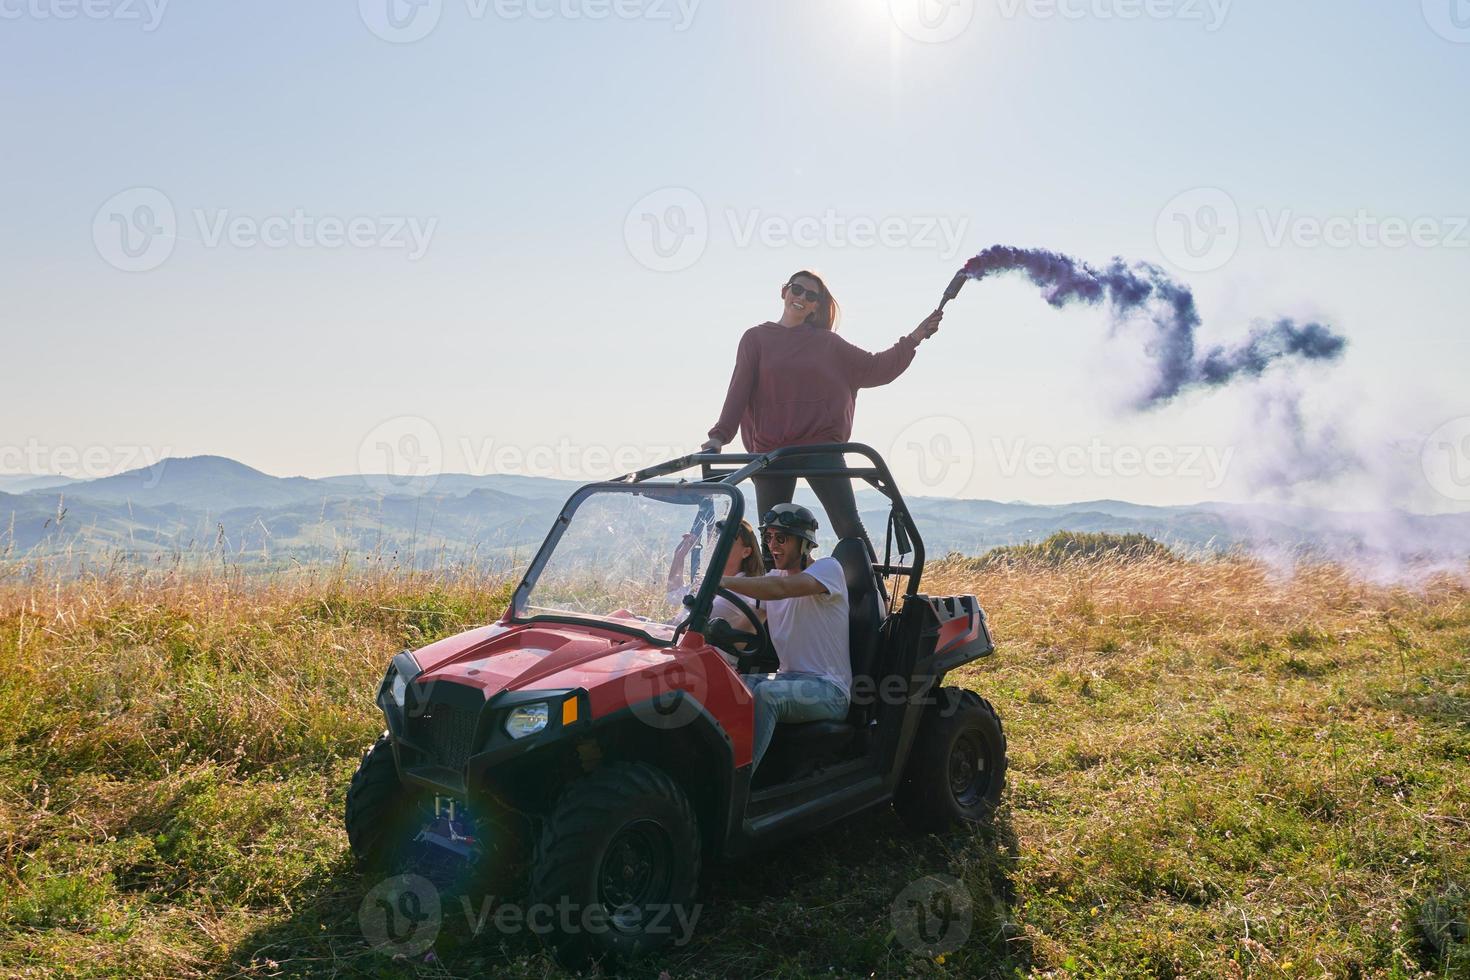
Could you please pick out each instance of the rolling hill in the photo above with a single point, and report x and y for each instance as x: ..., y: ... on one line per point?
x: 215, y: 506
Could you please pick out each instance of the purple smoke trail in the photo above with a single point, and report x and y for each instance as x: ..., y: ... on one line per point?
x: 1169, y: 306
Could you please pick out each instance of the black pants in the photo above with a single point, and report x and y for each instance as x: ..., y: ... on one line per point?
x: 835, y: 493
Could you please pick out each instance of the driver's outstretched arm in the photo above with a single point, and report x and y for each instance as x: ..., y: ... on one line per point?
x: 774, y: 586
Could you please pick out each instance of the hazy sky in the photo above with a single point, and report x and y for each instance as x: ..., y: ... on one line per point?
x: 527, y: 234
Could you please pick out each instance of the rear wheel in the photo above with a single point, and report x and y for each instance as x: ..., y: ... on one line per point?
x: 957, y: 767
x: 617, y: 864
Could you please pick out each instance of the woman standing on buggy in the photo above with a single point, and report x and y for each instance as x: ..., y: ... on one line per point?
x: 795, y: 383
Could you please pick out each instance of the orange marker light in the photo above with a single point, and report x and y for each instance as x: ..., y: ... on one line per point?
x: 569, y: 711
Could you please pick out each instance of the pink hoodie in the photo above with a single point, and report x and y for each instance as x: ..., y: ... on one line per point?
x: 796, y: 386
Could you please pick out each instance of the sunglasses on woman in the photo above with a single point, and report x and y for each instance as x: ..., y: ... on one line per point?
x: 802, y: 293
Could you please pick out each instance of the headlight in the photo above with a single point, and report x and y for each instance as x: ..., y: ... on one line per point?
x: 398, y: 689
x: 527, y: 719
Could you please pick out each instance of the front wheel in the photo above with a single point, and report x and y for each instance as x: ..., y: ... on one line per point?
x: 394, y: 827
x: 618, y: 864
x: 381, y: 812
x: 957, y: 767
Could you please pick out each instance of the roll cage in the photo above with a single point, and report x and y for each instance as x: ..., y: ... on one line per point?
x: 726, y: 471
x: 733, y: 469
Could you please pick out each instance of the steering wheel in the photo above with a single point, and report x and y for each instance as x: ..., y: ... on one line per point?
x: 751, y: 650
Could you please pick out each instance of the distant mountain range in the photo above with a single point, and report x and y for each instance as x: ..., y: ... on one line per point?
x: 20, y: 484
x: 217, y: 507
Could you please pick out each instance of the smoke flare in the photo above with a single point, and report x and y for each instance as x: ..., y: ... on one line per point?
x: 1169, y: 307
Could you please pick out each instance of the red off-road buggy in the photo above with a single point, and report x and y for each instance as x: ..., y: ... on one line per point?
x: 603, y: 734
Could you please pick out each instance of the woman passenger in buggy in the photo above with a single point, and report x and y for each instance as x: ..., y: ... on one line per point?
x: 745, y: 561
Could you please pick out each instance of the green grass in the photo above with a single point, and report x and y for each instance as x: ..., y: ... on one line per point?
x: 1214, y: 773
x: 1061, y: 547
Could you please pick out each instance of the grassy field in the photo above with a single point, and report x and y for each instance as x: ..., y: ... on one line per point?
x: 1214, y: 772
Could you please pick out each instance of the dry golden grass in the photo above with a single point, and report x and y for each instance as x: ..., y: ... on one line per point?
x: 1216, y: 771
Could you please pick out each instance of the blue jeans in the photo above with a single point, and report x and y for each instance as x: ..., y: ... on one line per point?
x: 794, y: 697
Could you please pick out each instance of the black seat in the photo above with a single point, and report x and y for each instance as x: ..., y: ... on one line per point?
x: 864, y: 611
x: 864, y: 617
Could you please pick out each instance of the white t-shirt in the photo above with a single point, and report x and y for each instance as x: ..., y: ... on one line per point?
x: 810, y: 631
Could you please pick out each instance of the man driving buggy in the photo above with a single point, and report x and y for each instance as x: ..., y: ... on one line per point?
x: 806, y: 608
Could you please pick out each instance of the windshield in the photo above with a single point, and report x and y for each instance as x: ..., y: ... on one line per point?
x: 628, y: 556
